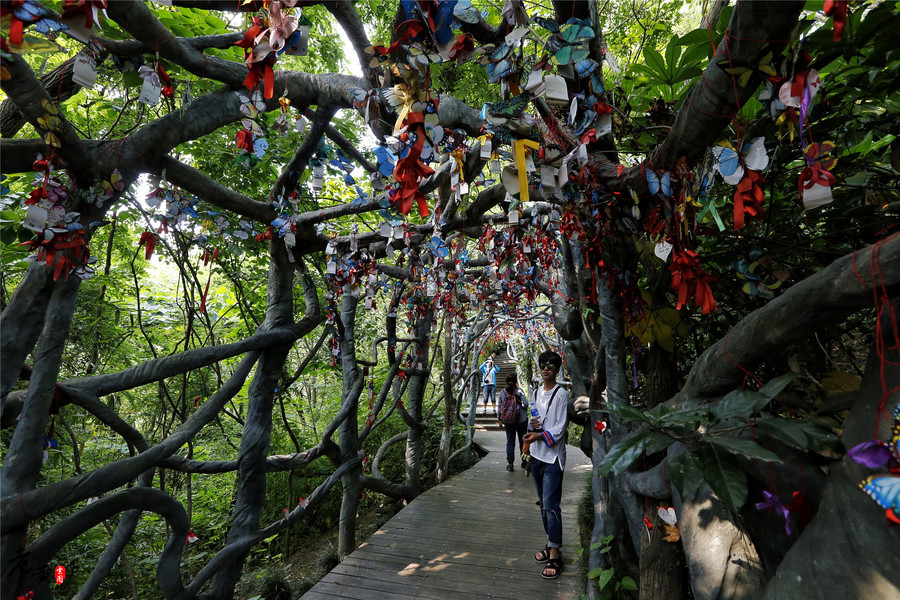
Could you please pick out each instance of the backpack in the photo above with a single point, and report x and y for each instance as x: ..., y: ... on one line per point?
x: 509, y: 408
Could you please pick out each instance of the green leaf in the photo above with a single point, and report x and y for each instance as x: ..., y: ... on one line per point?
x: 785, y: 430
x: 622, y: 454
x: 595, y: 572
x: 656, y: 63
x: 628, y: 583
x: 726, y: 478
x: 744, y: 448
x: 774, y: 387
x: 739, y: 404
x: 686, y: 472
x: 627, y: 412
x: 604, y: 578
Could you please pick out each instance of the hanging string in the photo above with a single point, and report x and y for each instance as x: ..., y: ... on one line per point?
x: 747, y: 374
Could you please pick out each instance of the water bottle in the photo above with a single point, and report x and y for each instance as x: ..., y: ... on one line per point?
x: 535, y: 414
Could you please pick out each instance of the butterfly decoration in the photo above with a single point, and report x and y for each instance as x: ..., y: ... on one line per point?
x: 114, y: 184
x: 438, y: 247
x: 761, y: 277
x: 770, y: 99
x: 30, y: 12
x: 464, y: 12
x: 51, y: 122
x: 386, y: 160
x: 659, y: 183
x: 731, y: 165
x: 742, y: 71
x: 820, y: 154
x: 884, y: 489
x: 567, y: 44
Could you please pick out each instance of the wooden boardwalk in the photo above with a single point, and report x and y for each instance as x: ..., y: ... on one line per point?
x: 470, y: 538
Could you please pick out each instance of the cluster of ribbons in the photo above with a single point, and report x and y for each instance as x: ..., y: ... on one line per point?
x: 689, y: 280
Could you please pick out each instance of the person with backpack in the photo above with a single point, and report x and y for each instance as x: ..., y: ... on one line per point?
x: 513, y: 416
x: 547, y: 446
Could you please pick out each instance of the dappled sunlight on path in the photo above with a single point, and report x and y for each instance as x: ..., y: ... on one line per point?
x: 472, y: 537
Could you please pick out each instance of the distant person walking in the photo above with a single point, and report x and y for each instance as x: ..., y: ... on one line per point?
x: 546, y: 431
x: 489, y: 381
x: 513, y: 415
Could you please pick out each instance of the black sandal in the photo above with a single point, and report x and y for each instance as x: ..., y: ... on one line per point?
x: 542, y: 556
x: 554, y: 563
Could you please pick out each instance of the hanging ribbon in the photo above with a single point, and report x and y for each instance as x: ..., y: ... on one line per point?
x: 812, y: 175
x: 749, y: 197
x: 405, y: 98
x: 88, y: 8
x: 519, y: 152
x: 837, y: 9
x: 689, y: 280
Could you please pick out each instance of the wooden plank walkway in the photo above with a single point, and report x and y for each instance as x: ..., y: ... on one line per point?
x: 470, y: 538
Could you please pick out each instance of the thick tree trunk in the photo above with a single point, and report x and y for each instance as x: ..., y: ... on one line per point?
x: 251, y: 492
x: 348, y: 433
x: 443, y: 456
x: 850, y: 550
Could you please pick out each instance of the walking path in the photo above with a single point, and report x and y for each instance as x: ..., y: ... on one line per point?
x: 470, y: 538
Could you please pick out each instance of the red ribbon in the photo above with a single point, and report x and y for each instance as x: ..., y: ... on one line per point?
x: 16, y: 25
x: 66, y: 250
x: 244, y: 139
x: 690, y: 280
x: 410, y: 170
x: 168, y: 90
x: 837, y: 9
x: 73, y: 8
x: 749, y: 197
x: 812, y: 175
x: 149, y: 238
x: 262, y: 71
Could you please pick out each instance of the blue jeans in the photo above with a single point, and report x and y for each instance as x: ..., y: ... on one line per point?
x: 512, y: 432
x: 548, y: 481
x: 489, y: 394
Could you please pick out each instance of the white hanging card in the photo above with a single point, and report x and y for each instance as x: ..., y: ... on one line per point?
x: 495, y: 166
x: 555, y: 90
x: 515, y: 35
x: 816, y: 196
x: 529, y: 163
x: 300, y: 124
x: 548, y: 177
x: 454, y: 178
x: 526, y: 248
x: 84, y: 72
x: 385, y: 229
x: 604, y: 125
x: 369, y: 304
x: 149, y: 92
x: 513, y: 217
x: 663, y: 249
x: 332, y: 267
x: 573, y: 110
x: 389, y: 250
x: 300, y: 45
x: 35, y: 218
x: 535, y: 80
x: 486, y: 149
x: 463, y: 188
x: 582, y: 155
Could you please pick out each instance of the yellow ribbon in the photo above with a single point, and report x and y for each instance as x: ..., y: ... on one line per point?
x: 458, y: 158
x: 782, y: 119
x: 406, y: 97
x: 519, y: 152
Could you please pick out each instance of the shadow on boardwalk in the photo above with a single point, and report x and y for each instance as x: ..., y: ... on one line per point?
x: 470, y: 538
